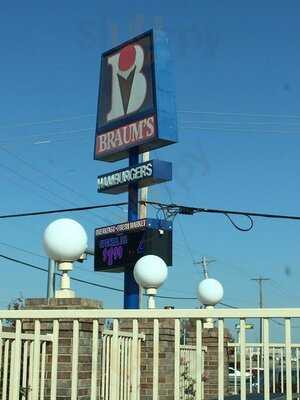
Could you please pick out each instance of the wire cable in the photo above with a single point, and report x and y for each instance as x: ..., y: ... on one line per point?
x: 114, y: 288
x: 36, y: 267
x: 46, y: 270
x: 55, y: 180
x: 97, y: 284
x: 62, y: 210
x: 188, y: 210
x: 45, y: 122
x: 243, y: 114
x: 238, y: 227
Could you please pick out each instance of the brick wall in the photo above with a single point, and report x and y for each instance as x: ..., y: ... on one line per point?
x: 64, y: 366
x: 166, y: 357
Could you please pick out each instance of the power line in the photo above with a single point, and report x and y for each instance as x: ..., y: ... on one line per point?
x: 45, y: 122
x: 55, y: 180
x: 84, y: 281
x: 35, y: 184
x: 246, y: 130
x: 174, y: 209
x: 91, y: 283
x: 102, y: 286
x: 45, y: 136
x: 41, y: 187
x: 191, y: 112
x: 23, y: 250
x: 296, y: 124
x: 46, y: 270
x: 62, y: 210
x: 243, y: 114
x: 117, y: 289
x: 287, y: 119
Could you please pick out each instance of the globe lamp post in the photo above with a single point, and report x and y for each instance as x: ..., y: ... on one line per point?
x: 65, y: 240
x: 150, y: 272
x: 210, y: 292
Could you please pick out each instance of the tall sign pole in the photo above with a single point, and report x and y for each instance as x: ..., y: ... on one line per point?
x: 131, y: 288
x: 136, y: 114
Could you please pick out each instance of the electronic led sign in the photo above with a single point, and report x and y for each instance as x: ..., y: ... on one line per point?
x: 118, y: 247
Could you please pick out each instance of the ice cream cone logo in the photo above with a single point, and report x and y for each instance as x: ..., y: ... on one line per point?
x: 129, y: 86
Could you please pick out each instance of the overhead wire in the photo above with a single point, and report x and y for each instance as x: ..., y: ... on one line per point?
x: 62, y: 210
x: 191, y: 210
x: 30, y: 265
x: 45, y: 136
x: 253, y: 120
x: 33, y: 266
x: 180, y: 111
x: 55, y: 180
x: 179, y: 209
x: 241, y: 122
x: 41, y: 187
x: 22, y: 250
x: 244, y: 114
x: 35, y: 184
x: 46, y: 122
x: 238, y: 130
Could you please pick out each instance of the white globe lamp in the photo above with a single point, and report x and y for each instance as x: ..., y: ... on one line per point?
x: 210, y: 292
x: 150, y: 272
x: 65, y: 240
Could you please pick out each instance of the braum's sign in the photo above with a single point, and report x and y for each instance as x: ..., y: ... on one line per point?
x: 135, y: 90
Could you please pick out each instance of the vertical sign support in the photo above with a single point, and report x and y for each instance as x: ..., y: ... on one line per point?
x: 136, y: 114
x: 131, y: 288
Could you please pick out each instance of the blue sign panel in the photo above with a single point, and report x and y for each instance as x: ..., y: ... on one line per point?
x: 136, y: 104
x: 144, y: 174
x: 118, y: 247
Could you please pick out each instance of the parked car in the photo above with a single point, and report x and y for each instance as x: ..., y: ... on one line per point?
x: 236, y: 374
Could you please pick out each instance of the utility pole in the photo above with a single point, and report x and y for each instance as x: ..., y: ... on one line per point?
x: 260, y: 281
x: 204, y: 264
x: 51, y: 279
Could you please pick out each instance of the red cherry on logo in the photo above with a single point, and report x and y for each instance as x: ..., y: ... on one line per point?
x: 127, y: 58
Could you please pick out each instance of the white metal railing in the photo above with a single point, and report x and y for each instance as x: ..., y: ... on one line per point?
x: 23, y: 362
x: 123, y: 366
x: 12, y: 353
x: 255, y: 359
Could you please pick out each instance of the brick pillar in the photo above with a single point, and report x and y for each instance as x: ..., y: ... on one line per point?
x: 166, y: 358
x: 64, y: 365
x: 210, y: 340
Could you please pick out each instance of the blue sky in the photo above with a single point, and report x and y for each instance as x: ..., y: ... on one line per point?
x: 237, y: 77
